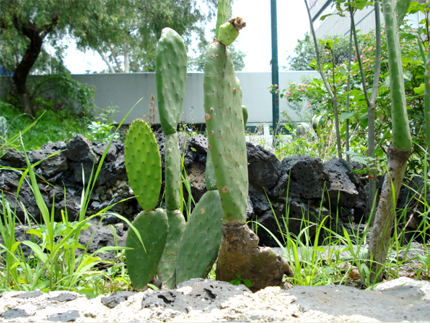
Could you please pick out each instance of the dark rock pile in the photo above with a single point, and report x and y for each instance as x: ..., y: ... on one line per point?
x: 282, y: 194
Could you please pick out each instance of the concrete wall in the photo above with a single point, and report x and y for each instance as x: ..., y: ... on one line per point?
x: 124, y: 90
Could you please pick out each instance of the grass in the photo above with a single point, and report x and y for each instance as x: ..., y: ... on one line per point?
x: 53, y: 263
x: 48, y: 127
x: 321, y: 256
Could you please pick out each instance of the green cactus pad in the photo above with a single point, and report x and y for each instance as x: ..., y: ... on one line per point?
x: 167, y: 265
x: 143, y: 164
x: 226, y: 133
x: 201, y: 239
x: 173, y: 172
x: 153, y: 228
x: 171, y: 73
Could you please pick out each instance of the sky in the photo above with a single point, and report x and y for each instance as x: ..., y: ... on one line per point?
x: 254, y: 39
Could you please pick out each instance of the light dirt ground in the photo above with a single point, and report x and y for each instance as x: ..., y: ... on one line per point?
x: 198, y: 300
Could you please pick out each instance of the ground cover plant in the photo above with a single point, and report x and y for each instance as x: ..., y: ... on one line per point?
x: 54, y: 263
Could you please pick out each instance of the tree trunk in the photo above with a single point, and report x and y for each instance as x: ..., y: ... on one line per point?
x: 104, y: 58
x: 386, y: 212
x: 23, y: 70
x: 36, y: 36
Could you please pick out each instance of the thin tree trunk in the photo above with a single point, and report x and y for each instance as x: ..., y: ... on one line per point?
x: 327, y: 85
x: 118, y: 64
x: 36, y: 36
x: 104, y: 58
x: 398, y: 152
x: 386, y: 212
x: 126, y: 59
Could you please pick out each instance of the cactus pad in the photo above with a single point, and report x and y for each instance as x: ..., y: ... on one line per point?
x: 171, y: 72
x: 201, y: 239
x: 173, y: 172
x: 143, y: 164
x: 226, y: 132
x: 167, y: 265
x: 142, y: 265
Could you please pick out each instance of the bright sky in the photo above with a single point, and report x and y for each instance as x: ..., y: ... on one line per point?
x: 254, y: 39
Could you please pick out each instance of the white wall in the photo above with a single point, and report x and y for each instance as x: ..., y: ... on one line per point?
x: 124, y: 90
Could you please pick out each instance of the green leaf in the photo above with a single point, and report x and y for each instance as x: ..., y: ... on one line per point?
x: 364, y: 120
x: 346, y: 115
x: 36, y: 232
x: 419, y: 90
x: 402, y: 7
x: 37, y: 250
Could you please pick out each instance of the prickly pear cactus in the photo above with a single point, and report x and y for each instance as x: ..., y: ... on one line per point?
x: 229, y: 31
x: 167, y: 265
x: 239, y: 251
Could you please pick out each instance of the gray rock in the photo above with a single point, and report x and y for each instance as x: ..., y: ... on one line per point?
x: 13, y: 313
x: 63, y: 297
x: 114, y: 299
x: 192, y: 294
x: 306, y: 179
x: 69, y: 316
x: 343, y: 190
x: 100, y: 147
x: 264, y: 168
x: 33, y: 294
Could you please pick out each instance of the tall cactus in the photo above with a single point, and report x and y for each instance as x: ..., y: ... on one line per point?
x: 401, y: 145
x: 239, y: 252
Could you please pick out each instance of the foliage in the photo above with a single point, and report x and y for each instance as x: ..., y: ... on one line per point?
x: 125, y: 32
x: 53, y: 263
x: 304, y: 53
x: 52, y: 127
x: 311, y: 98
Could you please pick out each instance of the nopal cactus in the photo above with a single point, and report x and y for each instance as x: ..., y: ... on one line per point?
x: 164, y: 233
x: 183, y: 251
x: 239, y: 252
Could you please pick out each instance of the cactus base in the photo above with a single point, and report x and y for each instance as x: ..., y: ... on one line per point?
x: 240, y: 254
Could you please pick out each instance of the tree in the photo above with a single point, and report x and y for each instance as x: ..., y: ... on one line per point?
x: 125, y: 33
x: 111, y: 27
x: 25, y: 25
x: 305, y: 52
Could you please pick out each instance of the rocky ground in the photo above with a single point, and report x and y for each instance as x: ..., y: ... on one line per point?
x: 199, y: 300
